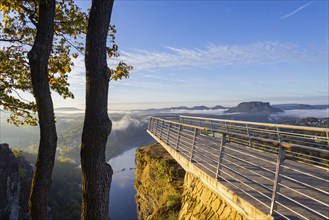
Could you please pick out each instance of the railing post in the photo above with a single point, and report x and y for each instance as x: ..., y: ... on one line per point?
x: 227, y: 131
x: 327, y: 137
x: 249, y: 135
x: 161, y: 128
x: 278, y: 134
x: 220, y: 156
x: 168, y: 133
x: 277, y: 179
x: 193, y: 143
x: 149, y: 125
x: 154, y: 125
x: 212, y: 128
x: 178, y: 134
x: 156, y: 130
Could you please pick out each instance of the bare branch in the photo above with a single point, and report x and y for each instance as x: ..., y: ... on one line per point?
x: 75, y: 47
x: 19, y: 95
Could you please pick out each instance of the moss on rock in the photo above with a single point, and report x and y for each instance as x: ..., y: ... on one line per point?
x: 159, y: 183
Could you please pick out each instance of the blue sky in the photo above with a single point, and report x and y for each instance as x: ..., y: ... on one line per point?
x: 216, y: 52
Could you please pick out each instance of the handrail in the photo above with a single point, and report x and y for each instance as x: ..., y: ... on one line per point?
x: 260, y: 124
x: 178, y: 123
x: 272, y: 142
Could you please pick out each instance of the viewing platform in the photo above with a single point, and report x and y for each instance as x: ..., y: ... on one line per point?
x: 271, y: 171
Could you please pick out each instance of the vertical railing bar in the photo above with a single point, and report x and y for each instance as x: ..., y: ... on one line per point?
x: 278, y: 134
x: 178, y: 134
x: 220, y: 156
x: 227, y: 131
x: 212, y: 128
x: 249, y: 135
x: 149, y: 125
x: 277, y: 180
x: 193, y: 143
x: 154, y: 127
x: 168, y: 133
x: 161, y: 130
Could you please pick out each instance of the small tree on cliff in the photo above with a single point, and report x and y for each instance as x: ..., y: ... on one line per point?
x: 96, y: 173
x: 34, y: 24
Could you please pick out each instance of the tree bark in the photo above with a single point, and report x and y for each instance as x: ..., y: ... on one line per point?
x: 38, y: 60
x: 96, y: 172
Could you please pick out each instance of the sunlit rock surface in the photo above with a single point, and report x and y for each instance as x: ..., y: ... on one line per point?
x: 158, y: 184
x: 199, y: 202
x: 162, y: 192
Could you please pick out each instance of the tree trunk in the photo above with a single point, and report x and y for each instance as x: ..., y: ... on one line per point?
x: 96, y: 173
x: 38, y: 60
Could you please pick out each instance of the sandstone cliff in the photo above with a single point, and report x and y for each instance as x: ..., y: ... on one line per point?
x: 163, y: 193
x: 159, y: 182
x: 15, y: 177
x: 199, y: 202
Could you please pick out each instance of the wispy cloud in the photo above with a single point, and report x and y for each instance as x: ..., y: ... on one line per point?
x: 297, y: 10
x: 221, y: 55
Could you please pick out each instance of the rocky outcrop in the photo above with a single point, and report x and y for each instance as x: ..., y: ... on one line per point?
x: 199, y: 202
x: 254, y: 107
x: 15, y: 178
x: 159, y: 182
x: 162, y: 192
x: 9, y: 184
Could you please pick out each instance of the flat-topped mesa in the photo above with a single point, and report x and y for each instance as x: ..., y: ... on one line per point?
x: 254, y: 107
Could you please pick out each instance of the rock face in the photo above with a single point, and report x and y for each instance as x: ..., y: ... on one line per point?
x: 254, y: 107
x: 162, y: 192
x: 15, y: 176
x: 199, y: 202
x: 159, y: 182
x: 9, y: 184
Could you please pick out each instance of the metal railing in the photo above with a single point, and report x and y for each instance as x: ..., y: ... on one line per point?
x: 281, y: 169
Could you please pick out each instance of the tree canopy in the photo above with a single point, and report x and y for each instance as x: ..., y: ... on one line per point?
x: 18, y: 26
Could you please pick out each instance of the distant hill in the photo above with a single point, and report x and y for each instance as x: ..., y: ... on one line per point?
x: 200, y: 107
x: 293, y: 106
x: 254, y: 107
x: 217, y: 107
x: 67, y: 109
